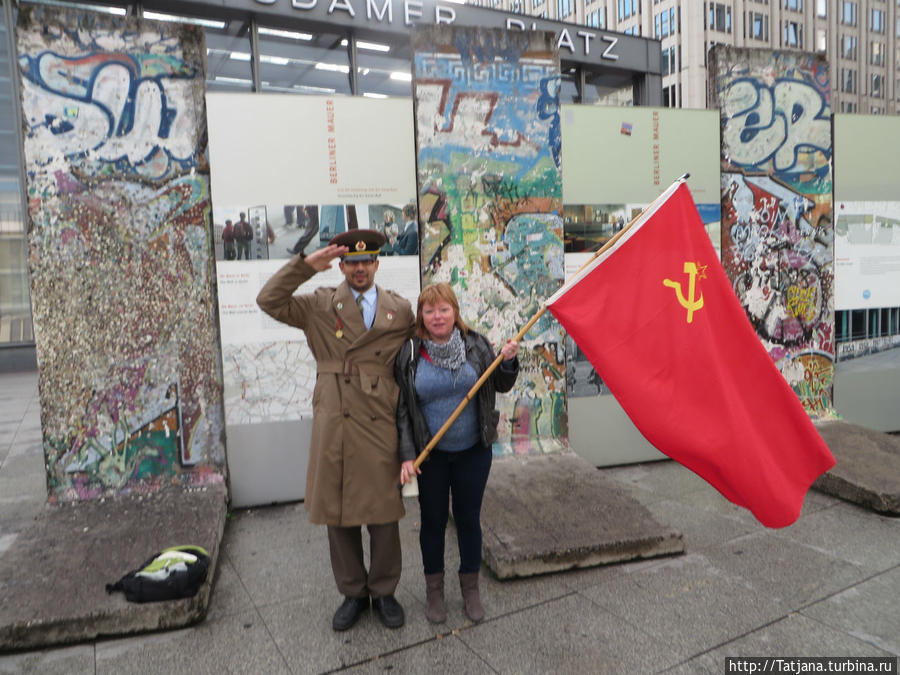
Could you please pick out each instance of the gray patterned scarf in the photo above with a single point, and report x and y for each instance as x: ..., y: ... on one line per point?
x: 451, y: 354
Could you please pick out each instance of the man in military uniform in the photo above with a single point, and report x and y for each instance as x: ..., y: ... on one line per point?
x: 354, y: 332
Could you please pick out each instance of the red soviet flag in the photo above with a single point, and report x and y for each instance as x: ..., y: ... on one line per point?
x: 657, y: 317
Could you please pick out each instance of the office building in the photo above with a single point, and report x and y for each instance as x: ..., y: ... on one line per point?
x: 858, y: 37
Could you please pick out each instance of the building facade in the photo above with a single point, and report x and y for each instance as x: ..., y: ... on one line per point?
x: 858, y: 37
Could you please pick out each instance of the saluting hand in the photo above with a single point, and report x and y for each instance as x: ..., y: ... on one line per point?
x: 320, y: 260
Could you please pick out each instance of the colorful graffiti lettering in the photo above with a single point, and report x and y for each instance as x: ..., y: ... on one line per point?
x: 111, y: 108
x: 815, y: 389
x: 786, y: 125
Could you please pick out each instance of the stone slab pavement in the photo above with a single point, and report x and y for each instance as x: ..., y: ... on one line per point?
x: 825, y: 586
x: 867, y: 469
x: 554, y: 512
x: 72, y: 551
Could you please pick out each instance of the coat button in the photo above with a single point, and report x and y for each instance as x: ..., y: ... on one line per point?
x: 377, y: 352
x: 346, y: 413
x: 373, y: 417
x: 346, y: 378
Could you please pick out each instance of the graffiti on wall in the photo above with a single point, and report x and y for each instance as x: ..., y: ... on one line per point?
x: 777, y: 230
x: 120, y: 253
x: 490, y: 203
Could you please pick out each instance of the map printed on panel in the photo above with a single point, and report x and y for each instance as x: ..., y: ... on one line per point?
x: 490, y: 202
x: 867, y: 253
x: 267, y: 382
x: 268, y: 370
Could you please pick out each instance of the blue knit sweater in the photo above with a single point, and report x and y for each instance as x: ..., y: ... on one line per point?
x: 440, y: 391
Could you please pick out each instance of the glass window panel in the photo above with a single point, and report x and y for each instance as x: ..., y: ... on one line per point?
x: 228, y: 58
x: 89, y: 6
x: 842, y: 323
x: 595, y: 19
x: 385, y: 73
x: 849, y: 47
x: 568, y: 92
x: 15, y: 305
x: 320, y: 65
x: 857, y: 324
x: 608, y: 88
x: 877, y: 85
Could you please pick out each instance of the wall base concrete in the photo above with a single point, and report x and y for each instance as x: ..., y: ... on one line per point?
x: 548, y: 513
x: 867, y: 471
x: 73, y: 550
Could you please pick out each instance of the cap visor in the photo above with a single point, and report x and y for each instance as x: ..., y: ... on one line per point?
x: 360, y: 256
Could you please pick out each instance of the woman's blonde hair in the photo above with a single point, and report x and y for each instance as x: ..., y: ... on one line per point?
x: 433, y: 294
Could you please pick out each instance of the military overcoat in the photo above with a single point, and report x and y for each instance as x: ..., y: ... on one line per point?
x: 354, y: 465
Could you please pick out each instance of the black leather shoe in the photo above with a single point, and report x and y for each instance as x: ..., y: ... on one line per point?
x: 348, y: 613
x: 389, y: 611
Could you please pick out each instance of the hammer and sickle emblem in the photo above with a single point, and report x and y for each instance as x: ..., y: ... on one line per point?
x: 690, y: 303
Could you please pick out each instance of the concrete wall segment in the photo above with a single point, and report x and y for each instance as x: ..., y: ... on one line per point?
x: 777, y: 221
x: 488, y: 141
x: 120, y: 252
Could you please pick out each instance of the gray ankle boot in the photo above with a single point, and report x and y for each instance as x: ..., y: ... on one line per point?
x: 468, y: 584
x: 435, y: 611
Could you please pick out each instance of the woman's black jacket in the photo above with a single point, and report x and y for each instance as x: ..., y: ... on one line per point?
x: 411, y: 426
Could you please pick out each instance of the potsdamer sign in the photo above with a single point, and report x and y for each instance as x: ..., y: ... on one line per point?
x: 578, y: 44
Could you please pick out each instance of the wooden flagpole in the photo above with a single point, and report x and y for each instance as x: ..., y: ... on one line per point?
x: 521, y: 334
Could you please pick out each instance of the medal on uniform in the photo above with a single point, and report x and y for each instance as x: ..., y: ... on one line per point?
x: 390, y: 315
x: 339, y: 332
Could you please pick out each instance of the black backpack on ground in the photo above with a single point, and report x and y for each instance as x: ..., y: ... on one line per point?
x: 173, y: 573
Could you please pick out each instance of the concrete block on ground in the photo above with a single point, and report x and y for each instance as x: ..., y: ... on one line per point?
x: 53, y: 577
x: 548, y: 513
x: 867, y: 471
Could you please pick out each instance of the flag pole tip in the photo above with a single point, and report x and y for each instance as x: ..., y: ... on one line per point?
x: 685, y: 176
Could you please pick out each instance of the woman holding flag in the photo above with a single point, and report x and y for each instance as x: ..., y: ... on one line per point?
x: 435, y: 370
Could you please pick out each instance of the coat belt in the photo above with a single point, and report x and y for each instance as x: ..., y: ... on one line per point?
x: 348, y: 367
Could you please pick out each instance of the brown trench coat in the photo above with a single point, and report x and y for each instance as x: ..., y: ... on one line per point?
x: 354, y: 465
